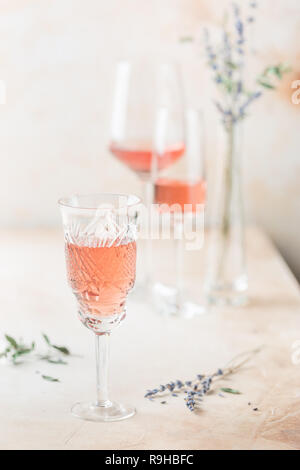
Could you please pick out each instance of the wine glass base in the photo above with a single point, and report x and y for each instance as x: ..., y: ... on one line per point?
x: 168, y: 303
x: 183, y: 310
x: 92, y: 412
x: 228, y: 294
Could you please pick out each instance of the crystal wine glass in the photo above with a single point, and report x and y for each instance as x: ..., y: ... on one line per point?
x: 141, y: 87
x: 100, y: 248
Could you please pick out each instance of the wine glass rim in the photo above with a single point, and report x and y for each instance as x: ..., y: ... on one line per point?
x: 67, y: 201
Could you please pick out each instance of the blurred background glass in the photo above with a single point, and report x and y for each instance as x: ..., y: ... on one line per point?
x: 142, y: 87
x: 179, y: 192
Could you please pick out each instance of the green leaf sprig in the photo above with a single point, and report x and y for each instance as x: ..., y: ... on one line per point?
x: 268, y: 79
x: 230, y: 390
x: 16, y: 350
x: 50, y: 379
x: 53, y: 357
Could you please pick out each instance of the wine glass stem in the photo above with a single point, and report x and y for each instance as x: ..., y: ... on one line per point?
x: 147, y: 189
x: 179, y: 258
x: 102, y: 358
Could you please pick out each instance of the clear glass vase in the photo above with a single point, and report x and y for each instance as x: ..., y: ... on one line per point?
x: 226, y: 279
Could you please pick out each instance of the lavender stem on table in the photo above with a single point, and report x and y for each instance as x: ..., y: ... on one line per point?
x: 195, y: 390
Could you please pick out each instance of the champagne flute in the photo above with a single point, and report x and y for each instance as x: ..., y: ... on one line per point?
x: 100, y: 248
x: 180, y: 193
x: 141, y: 87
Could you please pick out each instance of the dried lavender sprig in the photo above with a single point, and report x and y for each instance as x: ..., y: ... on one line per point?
x: 226, y: 62
x: 211, y: 54
x: 227, y: 74
x: 196, y: 389
x: 239, y: 25
x: 254, y: 96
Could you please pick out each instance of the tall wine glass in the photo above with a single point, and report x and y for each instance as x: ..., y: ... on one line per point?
x: 141, y: 87
x: 179, y: 192
x: 100, y: 248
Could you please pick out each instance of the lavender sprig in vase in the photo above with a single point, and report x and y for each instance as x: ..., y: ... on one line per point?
x: 226, y: 280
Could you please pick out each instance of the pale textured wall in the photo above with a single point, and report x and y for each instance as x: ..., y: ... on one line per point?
x: 57, y: 59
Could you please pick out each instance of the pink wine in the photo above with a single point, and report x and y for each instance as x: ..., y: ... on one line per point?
x: 101, y: 277
x: 139, y: 156
x: 172, y: 191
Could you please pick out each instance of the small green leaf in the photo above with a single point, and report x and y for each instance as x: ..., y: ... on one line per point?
x: 4, y: 353
x: 46, y: 338
x: 186, y: 39
x: 49, y: 379
x: 53, y: 360
x: 62, y: 349
x: 228, y: 84
x: 231, y: 65
x: 266, y: 84
x: 230, y: 390
x: 277, y: 70
x: 57, y: 361
x: 21, y: 352
x: 273, y: 70
x: 12, y: 341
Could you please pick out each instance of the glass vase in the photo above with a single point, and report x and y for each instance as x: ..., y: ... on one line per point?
x: 226, y: 279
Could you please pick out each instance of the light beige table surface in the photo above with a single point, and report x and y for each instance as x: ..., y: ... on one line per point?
x: 146, y: 351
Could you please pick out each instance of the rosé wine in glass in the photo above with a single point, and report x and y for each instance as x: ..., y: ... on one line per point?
x: 175, y: 192
x: 101, y: 277
x: 139, y: 157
